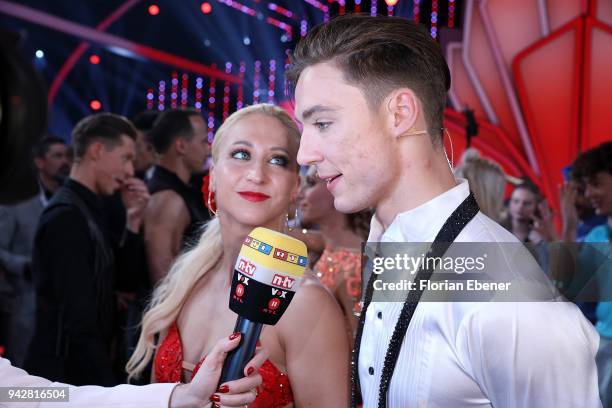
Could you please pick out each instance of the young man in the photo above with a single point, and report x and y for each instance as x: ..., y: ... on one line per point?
x: 176, y: 210
x: 594, y: 168
x: 370, y: 93
x: 75, y: 263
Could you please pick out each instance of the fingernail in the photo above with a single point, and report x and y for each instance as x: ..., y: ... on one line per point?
x: 223, y: 389
x: 258, y: 344
x: 216, y: 406
x: 250, y: 371
x: 215, y: 398
x: 234, y: 336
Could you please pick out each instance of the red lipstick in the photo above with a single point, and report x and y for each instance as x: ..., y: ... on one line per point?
x: 253, y: 196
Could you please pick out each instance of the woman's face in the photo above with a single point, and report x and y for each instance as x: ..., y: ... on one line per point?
x: 254, y: 177
x: 314, y: 201
x: 522, y: 204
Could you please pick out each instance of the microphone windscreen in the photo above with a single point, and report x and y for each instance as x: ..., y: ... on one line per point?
x: 267, y: 273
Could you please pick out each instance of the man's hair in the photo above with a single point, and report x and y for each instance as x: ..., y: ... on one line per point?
x: 593, y: 161
x: 379, y: 54
x: 144, y: 120
x: 170, y: 125
x: 42, y: 148
x: 107, y: 128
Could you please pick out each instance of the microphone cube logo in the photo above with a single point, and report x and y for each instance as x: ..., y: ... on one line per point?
x: 246, y: 267
x: 282, y: 281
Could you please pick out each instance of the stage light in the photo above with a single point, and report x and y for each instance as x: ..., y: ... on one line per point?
x: 206, y: 7
x: 95, y: 104
x: 153, y: 9
x: 246, y: 40
x: 40, y: 54
x: 94, y: 59
x: 391, y: 3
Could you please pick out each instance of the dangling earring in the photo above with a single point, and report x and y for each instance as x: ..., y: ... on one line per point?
x: 287, y: 226
x: 211, y: 205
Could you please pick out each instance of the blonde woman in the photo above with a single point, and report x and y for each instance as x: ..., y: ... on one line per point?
x: 487, y: 182
x: 254, y: 179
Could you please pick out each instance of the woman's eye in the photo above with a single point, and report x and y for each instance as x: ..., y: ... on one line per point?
x: 279, y: 161
x: 322, y: 125
x: 240, y: 155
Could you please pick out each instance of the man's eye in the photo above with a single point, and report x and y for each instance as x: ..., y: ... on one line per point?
x: 322, y: 125
x: 240, y: 155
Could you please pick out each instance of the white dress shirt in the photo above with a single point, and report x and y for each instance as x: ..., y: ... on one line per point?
x: 460, y: 354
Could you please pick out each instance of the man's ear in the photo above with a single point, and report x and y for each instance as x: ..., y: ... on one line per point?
x: 95, y: 150
x: 402, y: 110
x: 180, y: 144
x: 39, y: 163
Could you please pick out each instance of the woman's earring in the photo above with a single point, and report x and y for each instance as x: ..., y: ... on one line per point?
x: 211, y: 205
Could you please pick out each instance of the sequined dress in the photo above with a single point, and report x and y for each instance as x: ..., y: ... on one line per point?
x: 274, y: 392
x: 340, y: 270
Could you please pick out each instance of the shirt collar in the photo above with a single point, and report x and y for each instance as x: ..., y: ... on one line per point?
x: 421, y: 224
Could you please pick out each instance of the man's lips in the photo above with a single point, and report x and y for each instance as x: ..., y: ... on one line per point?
x: 253, y: 196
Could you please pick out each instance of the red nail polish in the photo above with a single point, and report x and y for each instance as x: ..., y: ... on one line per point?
x: 216, y: 406
x: 250, y: 371
x: 258, y: 344
x: 215, y: 398
x: 223, y: 389
x: 234, y: 335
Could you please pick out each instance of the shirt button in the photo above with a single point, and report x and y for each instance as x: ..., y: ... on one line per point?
x: 379, y: 315
x: 371, y: 370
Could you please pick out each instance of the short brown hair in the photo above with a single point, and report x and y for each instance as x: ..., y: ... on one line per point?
x: 380, y: 54
x: 107, y: 128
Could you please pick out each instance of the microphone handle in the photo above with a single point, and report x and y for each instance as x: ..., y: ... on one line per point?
x: 237, y: 359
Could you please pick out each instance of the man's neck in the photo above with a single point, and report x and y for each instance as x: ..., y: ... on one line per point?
x: 48, y: 183
x: 84, y: 176
x: 417, y: 185
x: 176, y: 166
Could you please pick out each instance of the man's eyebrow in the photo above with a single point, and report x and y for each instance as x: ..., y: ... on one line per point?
x: 316, y: 109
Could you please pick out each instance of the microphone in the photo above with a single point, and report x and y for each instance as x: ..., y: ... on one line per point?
x: 267, y: 273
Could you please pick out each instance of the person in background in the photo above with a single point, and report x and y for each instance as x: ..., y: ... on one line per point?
x: 487, y: 182
x: 175, y: 213
x: 146, y: 157
x: 74, y: 263
x: 17, y: 227
x: 339, y: 266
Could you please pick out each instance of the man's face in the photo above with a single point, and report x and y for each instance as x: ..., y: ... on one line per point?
x: 522, y: 204
x: 197, y: 148
x: 344, y: 139
x: 114, y: 166
x: 599, y: 193
x: 56, y: 163
x: 145, y: 155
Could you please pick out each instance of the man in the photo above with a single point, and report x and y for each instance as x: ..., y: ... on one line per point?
x: 370, y: 93
x: 17, y: 228
x: 594, y: 168
x: 74, y: 262
x: 176, y: 211
x: 145, y: 153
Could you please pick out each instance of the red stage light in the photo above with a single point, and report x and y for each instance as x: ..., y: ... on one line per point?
x: 153, y: 10
x: 391, y: 3
x: 94, y: 59
x: 95, y: 104
x: 206, y: 7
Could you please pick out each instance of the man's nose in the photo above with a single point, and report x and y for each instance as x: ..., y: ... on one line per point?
x: 309, y: 152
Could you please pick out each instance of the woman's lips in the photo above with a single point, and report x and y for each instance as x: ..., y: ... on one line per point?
x: 253, y: 196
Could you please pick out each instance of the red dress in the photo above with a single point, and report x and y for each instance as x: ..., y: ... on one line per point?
x: 274, y: 392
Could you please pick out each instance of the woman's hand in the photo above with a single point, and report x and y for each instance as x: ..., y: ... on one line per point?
x: 202, y: 390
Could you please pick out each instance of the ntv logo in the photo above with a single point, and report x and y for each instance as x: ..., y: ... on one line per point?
x: 246, y: 267
x: 283, y: 281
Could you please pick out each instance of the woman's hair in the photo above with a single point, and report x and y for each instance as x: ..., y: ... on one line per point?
x: 173, y: 291
x: 487, y: 182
